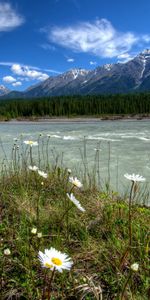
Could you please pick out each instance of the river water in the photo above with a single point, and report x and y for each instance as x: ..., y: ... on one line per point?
x: 124, y: 146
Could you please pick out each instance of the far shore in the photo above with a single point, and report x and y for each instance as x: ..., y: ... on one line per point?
x: 79, y: 119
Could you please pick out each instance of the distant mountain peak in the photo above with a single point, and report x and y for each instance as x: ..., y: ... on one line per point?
x: 3, y: 90
x: 78, y: 72
x: 144, y: 55
x: 145, y: 52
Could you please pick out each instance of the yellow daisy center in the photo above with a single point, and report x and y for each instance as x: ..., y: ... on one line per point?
x: 75, y: 183
x: 30, y: 142
x: 56, y: 261
x: 48, y: 265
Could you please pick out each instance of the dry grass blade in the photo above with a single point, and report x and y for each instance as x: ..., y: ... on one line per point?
x: 89, y: 288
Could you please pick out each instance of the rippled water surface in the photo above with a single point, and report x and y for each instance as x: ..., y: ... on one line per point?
x: 124, y: 145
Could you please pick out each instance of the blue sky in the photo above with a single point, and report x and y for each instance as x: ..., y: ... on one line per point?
x: 44, y: 38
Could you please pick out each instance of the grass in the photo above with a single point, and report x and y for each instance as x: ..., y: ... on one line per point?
x: 96, y: 240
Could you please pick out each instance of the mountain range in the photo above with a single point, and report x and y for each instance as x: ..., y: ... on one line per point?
x: 132, y: 76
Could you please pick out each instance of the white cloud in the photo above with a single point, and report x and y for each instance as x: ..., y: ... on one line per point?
x: 93, y: 63
x: 99, y: 38
x: 125, y: 57
x: 17, y: 83
x: 9, y: 79
x: 9, y: 19
x: 7, y: 64
x: 28, y: 72
x: 70, y: 59
x: 146, y: 38
x: 48, y: 47
x: 10, y: 64
x: 52, y: 71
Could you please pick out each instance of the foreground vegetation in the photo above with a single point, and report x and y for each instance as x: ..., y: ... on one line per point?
x: 90, y: 105
x: 36, y: 214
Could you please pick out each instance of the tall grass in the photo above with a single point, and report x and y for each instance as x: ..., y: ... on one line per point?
x: 97, y: 240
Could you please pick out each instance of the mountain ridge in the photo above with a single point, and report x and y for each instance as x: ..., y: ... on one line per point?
x: 131, y: 76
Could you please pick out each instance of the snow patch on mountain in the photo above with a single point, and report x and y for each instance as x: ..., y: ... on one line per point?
x: 3, y: 90
x: 78, y: 72
x: 144, y: 65
x: 108, y: 67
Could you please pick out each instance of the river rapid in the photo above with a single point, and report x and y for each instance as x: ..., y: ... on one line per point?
x: 113, y: 148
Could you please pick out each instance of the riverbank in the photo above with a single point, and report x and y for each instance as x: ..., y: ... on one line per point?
x: 79, y: 119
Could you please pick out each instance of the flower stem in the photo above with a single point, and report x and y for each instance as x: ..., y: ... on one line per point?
x: 50, y: 284
x: 130, y: 220
x: 43, y: 291
x: 31, y: 158
x: 126, y: 283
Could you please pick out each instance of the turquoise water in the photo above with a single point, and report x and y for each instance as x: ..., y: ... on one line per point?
x: 124, y: 144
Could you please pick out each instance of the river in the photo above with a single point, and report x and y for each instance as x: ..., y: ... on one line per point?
x: 123, y: 145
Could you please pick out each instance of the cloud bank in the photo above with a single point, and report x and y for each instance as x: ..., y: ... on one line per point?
x: 9, y: 18
x: 99, y: 38
x: 9, y: 79
x: 17, y: 83
x: 27, y: 72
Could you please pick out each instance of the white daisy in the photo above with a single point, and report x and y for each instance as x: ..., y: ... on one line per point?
x: 31, y: 143
x: 134, y: 177
x: 33, y: 168
x: 76, y: 202
x: 7, y: 251
x: 43, y: 174
x: 75, y: 182
x: 34, y: 230
x: 135, y: 267
x: 53, y: 258
x: 39, y: 235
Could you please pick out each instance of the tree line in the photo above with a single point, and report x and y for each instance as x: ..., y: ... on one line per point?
x: 90, y: 105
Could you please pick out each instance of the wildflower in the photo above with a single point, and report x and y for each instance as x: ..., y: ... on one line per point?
x: 7, y: 251
x: 34, y: 230
x: 53, y: 258
x: 31, y: 143
x: 135, y: 267
x: 69, y: 171
x: 42, y: 183
x: 76, y: 202
x: 39, y: 235
x: 43, y: 174
x: 134, y: 177
x: 33, y: 168
x: 75, y: 182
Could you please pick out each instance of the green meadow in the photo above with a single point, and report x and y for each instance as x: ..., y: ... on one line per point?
x: 103, y: 234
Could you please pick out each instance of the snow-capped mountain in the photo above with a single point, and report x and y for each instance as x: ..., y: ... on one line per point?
x: 62, y: 84
x: 3, y: 90
x: 132, y: 76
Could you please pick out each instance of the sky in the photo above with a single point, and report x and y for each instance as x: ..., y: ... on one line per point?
x: 42, y: 38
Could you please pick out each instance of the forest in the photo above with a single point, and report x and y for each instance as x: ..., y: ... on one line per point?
x: 71, y: 106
